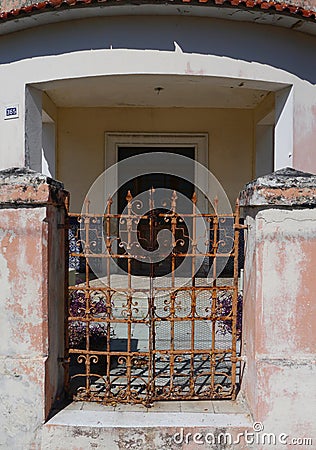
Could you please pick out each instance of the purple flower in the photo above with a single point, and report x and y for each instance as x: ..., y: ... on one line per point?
x: 225, y: 301
x: 77, y: 329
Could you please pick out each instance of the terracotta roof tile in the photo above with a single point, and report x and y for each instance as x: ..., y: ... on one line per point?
x: 258, y: 4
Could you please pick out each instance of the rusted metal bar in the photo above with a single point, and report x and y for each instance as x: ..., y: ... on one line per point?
x: 234, y: 302
x: 66, y: 361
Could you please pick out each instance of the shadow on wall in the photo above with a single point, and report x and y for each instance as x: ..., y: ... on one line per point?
x: 280, y: 48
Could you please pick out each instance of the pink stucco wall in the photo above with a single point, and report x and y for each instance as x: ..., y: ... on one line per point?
x: 279, y: 332
x: 31, y: 304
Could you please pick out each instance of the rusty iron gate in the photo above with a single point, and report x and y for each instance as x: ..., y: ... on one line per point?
x: 138, y: 330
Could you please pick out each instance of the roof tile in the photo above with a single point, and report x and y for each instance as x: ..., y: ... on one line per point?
x: 262, y: 4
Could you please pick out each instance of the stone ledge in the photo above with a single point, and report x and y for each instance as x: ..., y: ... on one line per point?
x: 137, y: 427
x: 135, y: 419
x: 20, y: 186
x: 285, y: 187
x: 183, y: 413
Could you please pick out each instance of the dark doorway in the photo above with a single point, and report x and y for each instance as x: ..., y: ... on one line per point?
x: 144, y: 183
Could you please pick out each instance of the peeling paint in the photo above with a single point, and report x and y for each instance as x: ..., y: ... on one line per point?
x: 190, y: 71
x: 285, y: 187
x: 22, y: 186
x: 26, y: 235
x: 280, y: 288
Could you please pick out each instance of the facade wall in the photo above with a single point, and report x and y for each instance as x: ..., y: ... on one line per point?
x: 81, y: 150
x: 257, y: 55
x: 279, y: 333
x: 305, y: 128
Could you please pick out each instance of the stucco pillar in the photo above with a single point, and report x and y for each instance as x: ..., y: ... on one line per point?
x: 279, y: 302
x: 31, y: 303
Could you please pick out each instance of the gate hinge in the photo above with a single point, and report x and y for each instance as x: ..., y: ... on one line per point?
x: 63, y: 360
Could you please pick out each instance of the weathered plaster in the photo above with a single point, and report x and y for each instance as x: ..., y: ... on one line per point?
x: 22, y: 306
x: 279, y: 331
x: 286, y: 248
x: 31, y: 304
x: 75, y: 438
x: 21, y: 404
x: 285, y: 187
x: 286, y: 397
x: 20, y: 186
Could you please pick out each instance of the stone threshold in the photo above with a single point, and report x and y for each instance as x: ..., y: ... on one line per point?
x: 219, y: 414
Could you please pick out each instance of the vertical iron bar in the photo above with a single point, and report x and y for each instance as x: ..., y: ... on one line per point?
x: 67, y: 297
x: 173, y: 295
x: 235, y: 300
x: 108, y: 299
x: 87, y: 294
x: 151, y: 306
x: 129, y: 296
x: 193, y: 294
x: 214, y: 298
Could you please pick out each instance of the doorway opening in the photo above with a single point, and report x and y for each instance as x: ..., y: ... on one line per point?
x: 151, y: 225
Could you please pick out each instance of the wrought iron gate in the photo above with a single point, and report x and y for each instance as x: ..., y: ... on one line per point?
x: 139, y: 330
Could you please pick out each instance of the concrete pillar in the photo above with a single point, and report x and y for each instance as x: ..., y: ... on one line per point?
x: 279, y: 303
x: 31, y: 303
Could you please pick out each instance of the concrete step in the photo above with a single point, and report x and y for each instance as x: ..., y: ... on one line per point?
x: 166, y: 426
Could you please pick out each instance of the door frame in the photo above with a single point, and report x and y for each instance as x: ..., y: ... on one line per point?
x: 113, y: 140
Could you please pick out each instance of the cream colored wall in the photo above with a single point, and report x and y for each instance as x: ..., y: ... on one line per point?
x: 81, y: 136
